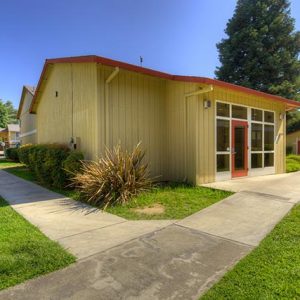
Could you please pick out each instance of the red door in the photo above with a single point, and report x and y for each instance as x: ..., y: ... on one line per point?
x: 239, y: 146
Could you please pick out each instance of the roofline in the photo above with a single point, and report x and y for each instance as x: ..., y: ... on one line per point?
x: 293, y: 132
x: 25, y: 88
x: 292, y: 104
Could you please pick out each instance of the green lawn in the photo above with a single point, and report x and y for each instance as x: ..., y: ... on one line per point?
x: 24, y: 251
x: 178, y: 201
x: 292, y: 163
x: 271, y: 271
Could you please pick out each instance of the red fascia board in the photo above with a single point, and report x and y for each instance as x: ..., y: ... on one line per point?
x: 146, y: 71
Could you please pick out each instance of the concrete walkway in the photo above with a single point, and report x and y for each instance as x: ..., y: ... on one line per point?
x: 80, y: 228
x: 121, y: 259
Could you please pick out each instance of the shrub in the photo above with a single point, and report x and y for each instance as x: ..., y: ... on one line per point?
x: 23, y: 153
x: 73, y: 164
x: 292, y: 163
x: 53, y: 165
x: 115, y: 178
x: 12, y: 153
x: 47, y: 161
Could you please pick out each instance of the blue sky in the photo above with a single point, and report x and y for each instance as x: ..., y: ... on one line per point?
x: 175, y: 36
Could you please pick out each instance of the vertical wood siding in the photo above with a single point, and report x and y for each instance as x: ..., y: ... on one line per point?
x: 136, y: 113
x: 179, y: 137
x: 28, y: 121
x: 291, y: 141
x: 201, y: 152
x: 73, y: 111
x: 141, y: 108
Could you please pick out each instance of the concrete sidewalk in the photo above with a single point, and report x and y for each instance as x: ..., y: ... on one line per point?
x: 122, y: 259
x: 80, y: 228
x: 282, y: 185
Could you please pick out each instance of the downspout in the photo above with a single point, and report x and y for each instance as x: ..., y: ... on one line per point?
x: 204, y: 90
x: 108, y: 80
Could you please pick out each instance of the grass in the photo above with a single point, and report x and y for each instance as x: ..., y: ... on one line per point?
x: 24, y: 251
x: 271, y: 271
x: 179, y: 201
x: 292, y: 163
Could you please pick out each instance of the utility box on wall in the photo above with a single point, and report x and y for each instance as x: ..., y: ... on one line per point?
x: 75, y: 143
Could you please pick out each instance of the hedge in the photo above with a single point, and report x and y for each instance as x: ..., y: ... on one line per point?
x: 12, y: 153
x: 51, y: 162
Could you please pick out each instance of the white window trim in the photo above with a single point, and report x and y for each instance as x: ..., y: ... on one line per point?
x: 226, y: 175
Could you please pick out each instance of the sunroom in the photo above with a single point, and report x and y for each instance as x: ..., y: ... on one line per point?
x: 245, y: 141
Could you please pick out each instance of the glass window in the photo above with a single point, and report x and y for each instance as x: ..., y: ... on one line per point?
x: 256, y: 137
x: 223, y: 135
x: 256, y: 160
x: 222, y: 162
x: 239, y: 112
x: 269, y: 159
x: 223, y: 110
x: 256, y: 115
x: 269, y: 117
x: 269, y: 137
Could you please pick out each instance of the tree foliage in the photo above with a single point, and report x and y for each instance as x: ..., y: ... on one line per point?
x: 12, y: 113
x: 293, y: 121
x: 8, y: 114
x: 262, y: 48
x: 3, y: 115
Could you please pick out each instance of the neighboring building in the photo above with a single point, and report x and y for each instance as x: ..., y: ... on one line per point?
x: 3, y: 138
x: 27, y: 120
x: 13, y: 135
x: 10, y: 135
x: 293, y: 142
x: 193, y: 128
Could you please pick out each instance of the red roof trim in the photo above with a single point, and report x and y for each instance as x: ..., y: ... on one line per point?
x: 134, y: 68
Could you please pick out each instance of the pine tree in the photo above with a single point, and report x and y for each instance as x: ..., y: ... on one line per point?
x: 3, y: 115
x: 12, y: 113
x: 262, y: 48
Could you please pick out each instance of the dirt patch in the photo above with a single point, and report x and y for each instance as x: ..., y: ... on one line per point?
x: 155, y: 209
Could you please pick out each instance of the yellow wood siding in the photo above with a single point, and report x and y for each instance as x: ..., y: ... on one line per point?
x: 201, y: 153
x: 178, y: 142
x: 59, y: 118
x: 27, y: 121
x: 177, y: 132
x: 136, y: 113
x: 291, y: 140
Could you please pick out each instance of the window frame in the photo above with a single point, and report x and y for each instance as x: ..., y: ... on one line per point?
x: 227, y: 174
x: 263, y: 123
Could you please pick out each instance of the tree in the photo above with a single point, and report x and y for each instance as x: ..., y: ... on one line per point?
x: 3, y: 115
x: 262, y: 48
x: 12, y: 113
x: 8, y: 114
x: 293, y: 121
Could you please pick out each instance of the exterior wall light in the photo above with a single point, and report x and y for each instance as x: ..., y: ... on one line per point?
x: 282, y: 116
x: 207, y: 104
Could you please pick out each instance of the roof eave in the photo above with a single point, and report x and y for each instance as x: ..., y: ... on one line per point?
x: 290, y: 104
